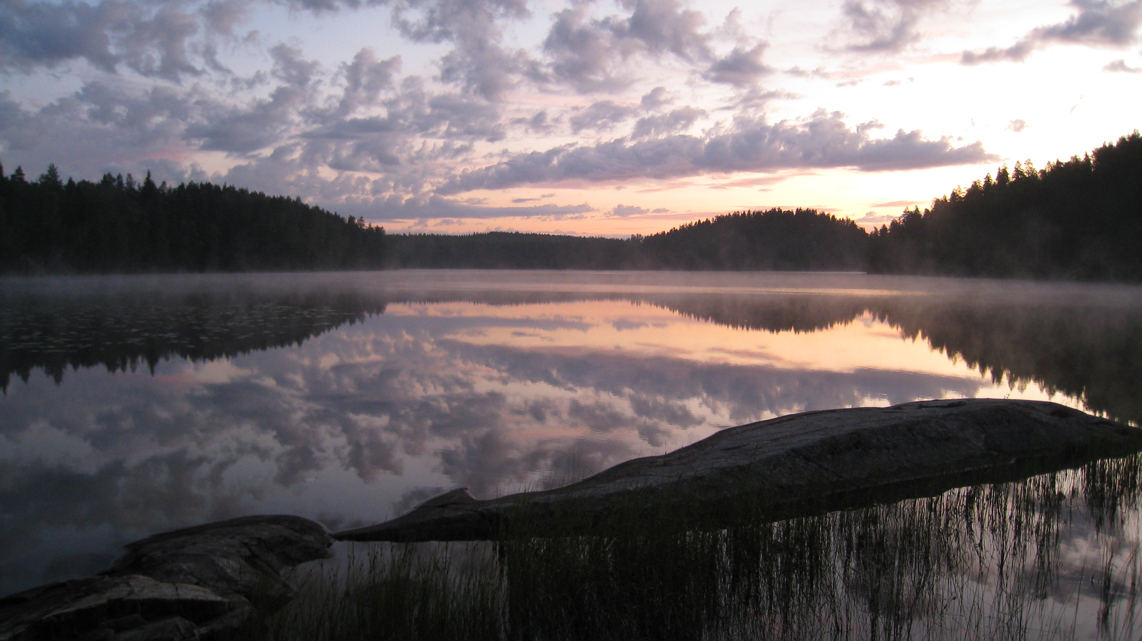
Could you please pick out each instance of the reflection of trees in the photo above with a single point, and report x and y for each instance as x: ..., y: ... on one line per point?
x: 132, y: 326
x: 121, y: 331
x: 1090, y: 352
x: 1082, y: 349
x: 773, y: 314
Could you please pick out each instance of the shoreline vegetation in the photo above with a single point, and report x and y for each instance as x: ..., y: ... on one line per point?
x: 1075, y: 220
x: 989, y: 561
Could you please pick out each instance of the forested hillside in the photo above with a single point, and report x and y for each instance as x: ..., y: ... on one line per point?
x: 120, y: 226
x: 509, y: 250
x: 1079, y: 219
x: 777, y: 240
x: 752, y: 240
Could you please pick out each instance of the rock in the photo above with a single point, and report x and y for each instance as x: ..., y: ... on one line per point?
x: 187, y: 584
x: 106, y: 607
x: 241, y: 558
x: 797, y: 464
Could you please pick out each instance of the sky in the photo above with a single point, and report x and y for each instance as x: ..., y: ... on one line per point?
x: 585, y: 117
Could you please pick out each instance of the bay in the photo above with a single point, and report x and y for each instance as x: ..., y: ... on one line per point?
x: 137, y: 405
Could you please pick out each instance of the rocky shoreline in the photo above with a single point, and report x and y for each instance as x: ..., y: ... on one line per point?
x: 214, y: 580
x: 797, y: 464
x: 196, y: 583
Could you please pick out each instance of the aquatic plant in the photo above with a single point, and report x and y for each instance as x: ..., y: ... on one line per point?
x: 1053, y: 556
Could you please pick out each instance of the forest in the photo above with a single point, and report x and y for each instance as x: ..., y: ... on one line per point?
x: 1076, y: 220
x: 123, y: 226
x: 1079, y: 219
x: 802, y: 240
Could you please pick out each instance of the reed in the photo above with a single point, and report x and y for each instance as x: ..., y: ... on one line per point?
x: 1055, y: 556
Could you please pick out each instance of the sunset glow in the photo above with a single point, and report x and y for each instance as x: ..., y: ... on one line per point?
x: 600, y: 118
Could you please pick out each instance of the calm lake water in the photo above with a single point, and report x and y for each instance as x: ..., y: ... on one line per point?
x: 137, y: 405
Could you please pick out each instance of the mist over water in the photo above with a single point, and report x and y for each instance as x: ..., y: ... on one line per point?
x: 136, y: 405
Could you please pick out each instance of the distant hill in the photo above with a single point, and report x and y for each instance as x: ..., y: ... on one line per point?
x: 773, y: 240
x: 509, y: 250
x: 753, y: 240
x: 120, y: 226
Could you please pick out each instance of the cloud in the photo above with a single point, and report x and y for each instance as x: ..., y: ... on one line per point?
x: 664, y: 26
x: 1016, y: 52
x: 540, y: 123
x: 873, y: 218
x: 798, y: 72
x: 676, y: 121
x: 741, y: 67
x: 585, y: 54
x: 1017, y: 125
x: 353, y: 135
x: 264, y: 122
x: 589, y: 54
x: 1120, y: 66
x: 753, y: 145
x: 600, y: 116
x: 479, y: 63
x: 885, y: 26
x: 623, y: 211
x: 747, y: 392
x: 175, y: 40
x: 117, y: 129
x: 152, y: 39
x: 656, y: 98
x: 1098, y: 23
x: 222, y: 16
x: 397, y: 208
x: 365, y: 78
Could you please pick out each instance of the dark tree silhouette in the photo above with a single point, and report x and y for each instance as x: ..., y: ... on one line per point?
x: 122, y: 226
x: 1079, y: 219
x: 802, y: 240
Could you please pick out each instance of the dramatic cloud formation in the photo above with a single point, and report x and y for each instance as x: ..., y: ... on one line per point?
x: 388, y: 109
x: 151, y: 39
x: 1098, y: 23
x: 886, y: 25
x: 823, y: 141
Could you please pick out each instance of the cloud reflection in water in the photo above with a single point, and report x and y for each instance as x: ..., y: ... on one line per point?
x: 387, y: 400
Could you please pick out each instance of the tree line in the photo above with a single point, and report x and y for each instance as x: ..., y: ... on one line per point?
x: 776, y: 239
x: 1079, y: 219
x: 121, y: 225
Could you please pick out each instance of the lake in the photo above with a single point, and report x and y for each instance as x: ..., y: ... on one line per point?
x: 133, y: 405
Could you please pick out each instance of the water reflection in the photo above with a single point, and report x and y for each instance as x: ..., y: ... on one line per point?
x: 348, y: 397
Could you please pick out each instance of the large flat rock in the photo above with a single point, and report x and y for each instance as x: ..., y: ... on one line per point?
x: 194, y: 583
x: 802, y: 463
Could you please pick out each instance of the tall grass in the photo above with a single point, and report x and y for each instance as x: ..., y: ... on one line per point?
x: 1054, y: 556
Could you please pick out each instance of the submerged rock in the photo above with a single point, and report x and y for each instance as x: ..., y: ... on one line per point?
x: 797, y: 464
x: 187, y: 584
